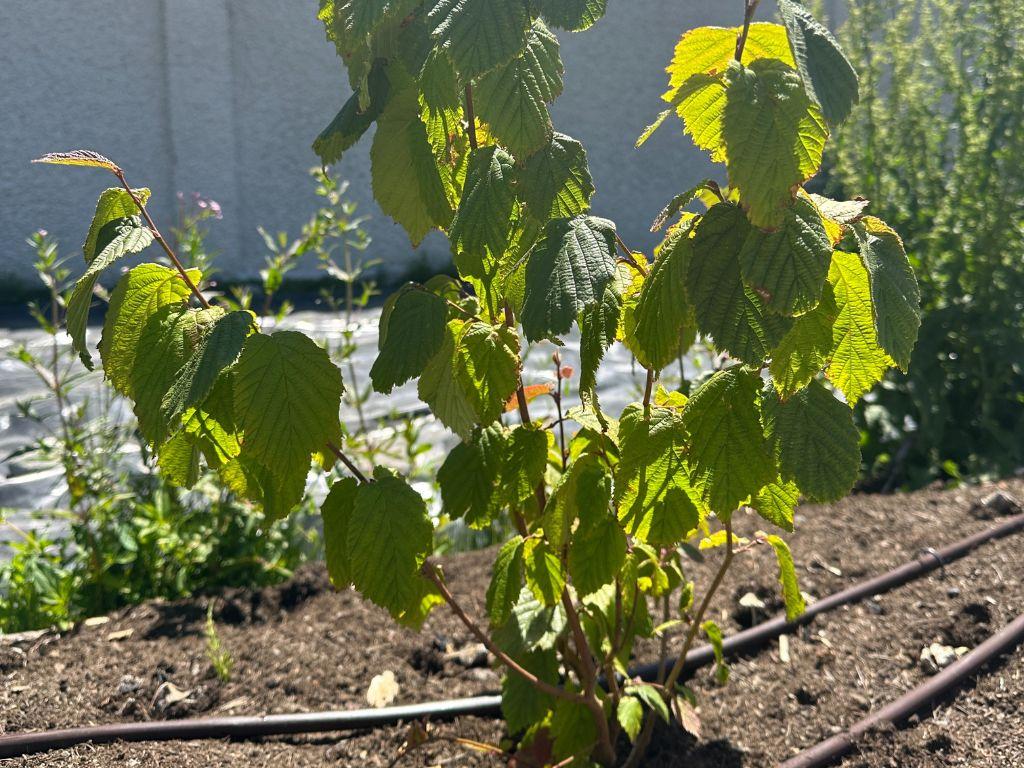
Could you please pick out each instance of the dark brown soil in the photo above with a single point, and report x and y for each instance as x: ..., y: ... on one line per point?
x: 303, y: 647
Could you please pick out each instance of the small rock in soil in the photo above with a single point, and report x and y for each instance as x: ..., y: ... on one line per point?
x: 996, y: 504
x: 383, y: 689
x: 470, y: 657
x: 128, y: 684
x: 938, y: 656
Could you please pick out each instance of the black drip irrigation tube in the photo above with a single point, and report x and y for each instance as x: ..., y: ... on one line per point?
x: 919, y: 699
x: 16, y: 745
x: 759, y: 634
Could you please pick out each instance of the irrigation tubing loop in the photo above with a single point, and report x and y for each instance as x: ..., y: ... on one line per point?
x: 919, y: 699
x: 16, y: 745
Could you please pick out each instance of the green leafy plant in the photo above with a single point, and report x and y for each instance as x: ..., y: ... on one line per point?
x: 799, y: 296
x: 219, y: 656
x: 936, y: 134
x: 125, y: 533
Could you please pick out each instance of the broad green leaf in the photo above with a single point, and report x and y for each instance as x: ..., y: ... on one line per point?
x: 598, y: 328
x: 352, y: 121
x: 555, y: 181
x: 652, y: 486
x: 572, y: 15
x: 468, y: 477
x: 596, y: 555
x: 709, y: 50
x: 522, y: 466
x: 583, y: 491
x: 788, y: 266
x: 412, y: 330
x: 439, y: 387
x: 336, y: 512
x: 113, y: 203
x: 406, y: 181
x: 776, y: 502
x: 630, y: 714
x: 506, y: 581
x: 439, y: 83
x: 857, y: 361
x: 522, y: 705
x: 697, y: 89
x: 774, y: 136
x: 714, y: 635
x: 816, y: 442
x: 487, y: 367
x: 277, y: 490
x: 544, y: 575
x: 657, y: 324
x: 362, y: 17
x: 116, y: 239
x: 787, y: 577
x: 287, y: 397
x: 652, y: 697
x: 806, y: 347
x: 389, y: 537
x: 829, y: 77
x: 167, y: 341
x: 513, y: 99
x: 572, y: 729
x: 212, y: 428
x: 726, y: 309
x: 532, y: 626
x: 219, y: 349
x: 483, y: 219
x: 566, y: 274
x: 730, y: 457
x: 178, y: 460
x: 895, y: 295
x: 426, y: 598
x: 841, y: 211
x: 700, y: 103
x: 136, y: 298
x: 479, y: 34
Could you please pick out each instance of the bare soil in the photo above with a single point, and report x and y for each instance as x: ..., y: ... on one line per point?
x: 303, y: 646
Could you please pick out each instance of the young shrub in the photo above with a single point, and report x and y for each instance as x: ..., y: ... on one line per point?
x: 801, y: 295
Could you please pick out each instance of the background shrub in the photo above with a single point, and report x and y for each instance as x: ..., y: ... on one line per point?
x: 936, y: 144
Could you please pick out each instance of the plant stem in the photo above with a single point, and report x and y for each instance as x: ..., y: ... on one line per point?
x: 160, y: 239
x: 471, y: 117
x: 558, y: 407
x: 677, y: 669
x: 430, y: 572
x: 629, y: 257
x: 748, y: 15
x: 648, y: 392
x: 347, y: 462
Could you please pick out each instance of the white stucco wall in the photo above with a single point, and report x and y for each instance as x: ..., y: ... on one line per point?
x: 225, y: 96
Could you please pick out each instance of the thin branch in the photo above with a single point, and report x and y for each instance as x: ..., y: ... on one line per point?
x: 471, y: 117
x: 558, y: 407
x: 629, y: 258
x: 347, y: 462
x: 430, y: 571
x: 160, y: 239
x: 648, y: 392
x: 748, y: 15
x: 677, y: 669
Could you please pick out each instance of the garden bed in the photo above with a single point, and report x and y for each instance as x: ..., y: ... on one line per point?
x: 302, y: 646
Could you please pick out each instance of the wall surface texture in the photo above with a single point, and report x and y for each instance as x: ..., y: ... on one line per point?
x: 224, y: 97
